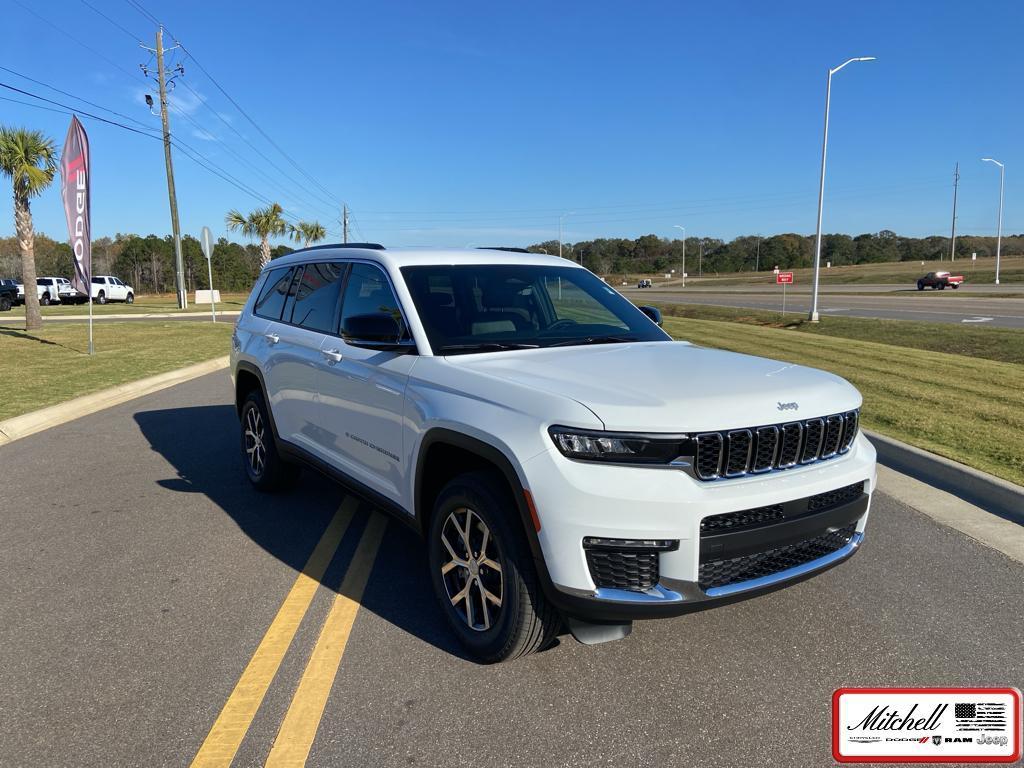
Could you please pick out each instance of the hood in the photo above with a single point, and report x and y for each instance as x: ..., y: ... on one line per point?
x: 672, y: 386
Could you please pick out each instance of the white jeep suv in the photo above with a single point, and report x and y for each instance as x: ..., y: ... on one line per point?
x: 566, y: 461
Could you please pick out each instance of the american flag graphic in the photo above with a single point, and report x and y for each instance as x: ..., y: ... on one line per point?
x: 980, y: 716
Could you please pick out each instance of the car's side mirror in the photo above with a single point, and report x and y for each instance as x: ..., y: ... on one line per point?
x: 376, y: 331
x: 652, y: 312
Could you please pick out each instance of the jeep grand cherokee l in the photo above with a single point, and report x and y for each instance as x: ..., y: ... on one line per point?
x: 565, y: 461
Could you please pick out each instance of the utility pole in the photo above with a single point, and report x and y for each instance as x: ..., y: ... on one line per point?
x: 344, y: 223
x: 179, y: 271
x: 952, y: 237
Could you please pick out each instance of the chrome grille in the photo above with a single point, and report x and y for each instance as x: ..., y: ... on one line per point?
x: 776, y: 446
x: 738, y: 454
x: 789, y: 454
x: 814, y: 429
x: 851, y: 421
x: 764, y: 453
x: 709, y: 455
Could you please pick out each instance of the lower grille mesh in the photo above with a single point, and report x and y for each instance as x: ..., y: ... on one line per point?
x: 623, y: 569
x: 747, y: 518
x: 835, y: 498
x: 721, y: 573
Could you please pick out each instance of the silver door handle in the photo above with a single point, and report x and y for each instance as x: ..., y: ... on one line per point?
x: 332, y: 355
x: 273, y: 338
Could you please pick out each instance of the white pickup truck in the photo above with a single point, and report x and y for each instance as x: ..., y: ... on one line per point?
x: 109, y: 288
x: 54, y: 290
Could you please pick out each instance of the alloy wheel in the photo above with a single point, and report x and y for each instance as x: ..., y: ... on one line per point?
x: 255, y: 436
x: 472, y: 575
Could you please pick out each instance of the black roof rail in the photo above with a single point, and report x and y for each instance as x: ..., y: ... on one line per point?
x: 502, y: 248
x: 371, y: 246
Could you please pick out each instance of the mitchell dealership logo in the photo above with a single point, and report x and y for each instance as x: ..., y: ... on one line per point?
x: 794, y: 406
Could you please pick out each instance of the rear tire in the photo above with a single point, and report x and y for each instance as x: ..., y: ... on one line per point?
x: 265, y: 468
x: 102, y: 298
x: 920, y: 285
x: 45, y: 300
x: 502, y: 613
x: 955, y: 286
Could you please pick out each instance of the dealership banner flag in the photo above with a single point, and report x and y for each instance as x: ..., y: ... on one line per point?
x: 74, y: 174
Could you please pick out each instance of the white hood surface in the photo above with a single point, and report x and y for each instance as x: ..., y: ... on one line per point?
x: 671, y: 386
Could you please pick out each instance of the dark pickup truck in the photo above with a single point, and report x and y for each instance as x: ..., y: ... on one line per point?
x: 938, y: 281
x: 8, y: 295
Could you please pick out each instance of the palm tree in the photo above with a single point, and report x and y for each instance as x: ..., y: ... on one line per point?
x: 29, y: 158
x: 307, y: 232
x: 263, y: 223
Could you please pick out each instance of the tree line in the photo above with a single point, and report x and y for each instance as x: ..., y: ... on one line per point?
x: 748, y: 253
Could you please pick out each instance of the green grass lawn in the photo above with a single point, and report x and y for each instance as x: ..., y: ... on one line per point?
x: 966, y: 408
x: 167, y: 302
x: 50, y: 366
x: 1000, y: 344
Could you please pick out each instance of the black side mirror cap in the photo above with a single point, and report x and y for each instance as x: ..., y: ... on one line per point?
x: 653, y: 313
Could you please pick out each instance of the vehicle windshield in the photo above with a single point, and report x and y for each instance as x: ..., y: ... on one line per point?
x: 484, y: 308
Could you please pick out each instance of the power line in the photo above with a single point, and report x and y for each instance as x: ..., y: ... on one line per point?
x: 75, y: 110
x: 73, y: 96
x: 87, y: 4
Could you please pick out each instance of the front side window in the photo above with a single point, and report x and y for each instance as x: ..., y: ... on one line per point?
x: 275, y: 289
x: 368, y: 292
x: 480, y: 308
x: 316, y: 298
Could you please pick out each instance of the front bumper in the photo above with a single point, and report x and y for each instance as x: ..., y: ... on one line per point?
x: 575, y: 500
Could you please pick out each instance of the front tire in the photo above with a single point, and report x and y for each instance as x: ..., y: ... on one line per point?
x: 5, y: 304
x: 129, y: 299
x: 483, y: 574
x: 265, y: 468
x: 920, y: 285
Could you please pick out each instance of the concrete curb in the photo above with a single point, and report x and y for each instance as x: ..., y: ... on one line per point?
x: 972, y: 485
x: 36, y: 421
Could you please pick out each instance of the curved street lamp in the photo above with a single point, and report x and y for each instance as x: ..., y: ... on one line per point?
x: 999, y: 231
x: 813, y: 317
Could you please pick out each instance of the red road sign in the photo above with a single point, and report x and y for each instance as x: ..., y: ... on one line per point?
x: 784, y: 278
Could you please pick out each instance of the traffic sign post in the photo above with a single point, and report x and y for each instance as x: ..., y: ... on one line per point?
x: 206, y: 241
x: 783, y: 279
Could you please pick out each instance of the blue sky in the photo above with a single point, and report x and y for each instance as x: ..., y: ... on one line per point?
x: 449, y: 123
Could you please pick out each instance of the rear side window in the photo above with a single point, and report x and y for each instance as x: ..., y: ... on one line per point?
x: 316, y: 298
x: 368, y: 292
x: 275, y: 290
x: 99, y: 281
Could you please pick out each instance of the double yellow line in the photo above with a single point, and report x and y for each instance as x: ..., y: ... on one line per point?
x: 295, y: 737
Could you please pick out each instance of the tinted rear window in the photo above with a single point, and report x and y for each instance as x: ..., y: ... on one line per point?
x: 275, y: 290
x: 316, y: 298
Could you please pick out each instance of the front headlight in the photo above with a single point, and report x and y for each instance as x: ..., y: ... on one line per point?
x: 620, y: 447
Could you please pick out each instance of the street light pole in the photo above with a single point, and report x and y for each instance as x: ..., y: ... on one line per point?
x: 677, y: 226
x: 560, y: 217
x: 813, y: 317
x: 999, y: 231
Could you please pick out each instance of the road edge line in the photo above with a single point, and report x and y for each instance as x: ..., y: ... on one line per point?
x: 30, y: 423
x: 988, y: 492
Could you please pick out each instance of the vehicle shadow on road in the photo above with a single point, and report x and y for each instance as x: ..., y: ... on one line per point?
x: 201, y: 443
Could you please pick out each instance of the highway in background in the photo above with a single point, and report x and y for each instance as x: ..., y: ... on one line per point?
x: 930, y: 306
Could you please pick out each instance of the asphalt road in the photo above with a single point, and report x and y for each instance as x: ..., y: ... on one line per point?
x: 930, y: 306
x: 141, y: 574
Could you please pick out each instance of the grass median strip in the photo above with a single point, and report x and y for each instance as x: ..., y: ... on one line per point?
x: 221, y: 744
x: 965, y: 408
x: 50, y: 366
x: 295, y: 738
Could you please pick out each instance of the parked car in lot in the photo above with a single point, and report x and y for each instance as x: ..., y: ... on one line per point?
x: 8, y: 295
x: 561, y: 456
x: 109, y: 288
x: 939, y: 281
x: 57, y: 290
x: 643, y: 284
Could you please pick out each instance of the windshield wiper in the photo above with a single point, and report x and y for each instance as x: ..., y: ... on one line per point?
x: 595, y: 340
x: 486, y: 346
